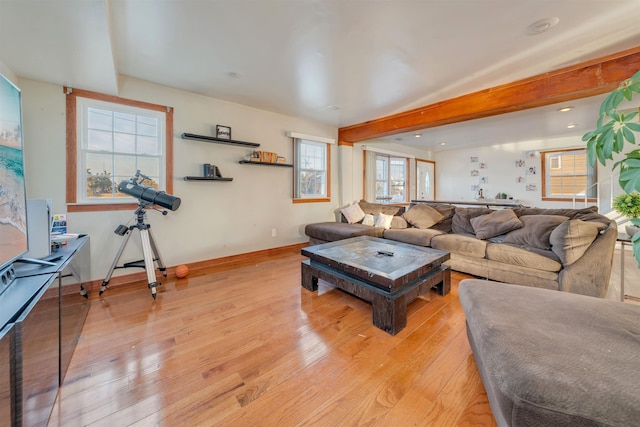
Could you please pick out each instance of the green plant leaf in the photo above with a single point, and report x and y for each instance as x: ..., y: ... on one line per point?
x: 634, y: 126
x: 628, y: 135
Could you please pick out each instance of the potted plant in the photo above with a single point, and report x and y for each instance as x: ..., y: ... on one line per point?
x: 613, y: 129
x: 628, y: 204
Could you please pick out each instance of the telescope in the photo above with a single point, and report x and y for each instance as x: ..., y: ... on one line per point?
x: 132, y: 187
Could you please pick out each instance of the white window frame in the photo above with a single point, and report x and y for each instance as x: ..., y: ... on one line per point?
x: 83, y: 105
x: 316, y: 141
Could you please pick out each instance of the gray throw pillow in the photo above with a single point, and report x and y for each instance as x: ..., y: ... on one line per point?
x: 422, y: 216
x: 536, y: 231
x: 496, y: 223
x: 461, y: 221
x: 571, y: 239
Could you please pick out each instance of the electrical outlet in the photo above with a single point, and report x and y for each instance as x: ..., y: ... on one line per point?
x: 273, y: 232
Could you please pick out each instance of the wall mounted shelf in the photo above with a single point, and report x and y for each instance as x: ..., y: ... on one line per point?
x: 219, y: 141
x: 248, y: 162
x: 206, y: 178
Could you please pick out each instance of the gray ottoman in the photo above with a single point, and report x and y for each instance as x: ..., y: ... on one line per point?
x: 551, y: 358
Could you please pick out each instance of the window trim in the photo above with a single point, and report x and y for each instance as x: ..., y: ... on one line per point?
x: 407, y: 181
x: 296, y: 170
x: 72, y: 148
x: 543, y: 161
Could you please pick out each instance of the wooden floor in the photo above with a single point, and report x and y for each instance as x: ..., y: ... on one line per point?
x: 248, y: 346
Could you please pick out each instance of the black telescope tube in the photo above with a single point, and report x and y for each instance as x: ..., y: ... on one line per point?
x: 149, y: 194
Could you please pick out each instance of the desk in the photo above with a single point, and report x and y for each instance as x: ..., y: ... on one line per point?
x: 41, y: 316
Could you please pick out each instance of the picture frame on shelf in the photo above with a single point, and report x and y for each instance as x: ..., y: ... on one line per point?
x: 223, y: 132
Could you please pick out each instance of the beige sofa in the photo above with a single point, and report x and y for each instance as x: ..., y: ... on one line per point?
x: 562, y: 249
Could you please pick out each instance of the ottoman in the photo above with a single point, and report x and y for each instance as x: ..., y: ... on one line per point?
x: 549, y: 358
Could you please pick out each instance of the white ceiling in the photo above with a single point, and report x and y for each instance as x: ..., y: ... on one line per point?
x: 335, y: 61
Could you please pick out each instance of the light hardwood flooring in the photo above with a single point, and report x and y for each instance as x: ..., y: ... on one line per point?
x: 246, y: 345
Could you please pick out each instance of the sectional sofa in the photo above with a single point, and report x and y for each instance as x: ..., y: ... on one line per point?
x: 569, y: 250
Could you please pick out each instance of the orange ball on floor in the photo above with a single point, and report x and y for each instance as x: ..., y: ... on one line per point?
x: 182, y: 271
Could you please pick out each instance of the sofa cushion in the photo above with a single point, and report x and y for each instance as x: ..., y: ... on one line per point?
x: 460, y: 244
x: 536, y: 231
x: 495, y: 223
x: 422, y: 216
x: 332, y: 231
x: 353, y: 213
x: 523, y: 256
x: 585, y: 214
x: 377, y: 208
x: 571, y: 239
x: 461, y: 223
x: 413, y: 236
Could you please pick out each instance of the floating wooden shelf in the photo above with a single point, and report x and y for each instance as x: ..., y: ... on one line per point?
x: 218, y: 140
x: 206, y: 178
x: 248, y: 162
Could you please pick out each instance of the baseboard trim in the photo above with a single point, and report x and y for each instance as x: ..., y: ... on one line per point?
x: 210, y: 265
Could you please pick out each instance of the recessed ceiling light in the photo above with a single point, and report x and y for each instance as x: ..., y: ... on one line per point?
x: 542, y: 26
x: 333, y: 107
x: 565, y: 109
x: 443, y: 143
x: 233, y: 75
x: 571, y: 125
x: 418, y: 135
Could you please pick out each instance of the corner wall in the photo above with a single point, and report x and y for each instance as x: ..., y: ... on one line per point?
x: 215, y: 219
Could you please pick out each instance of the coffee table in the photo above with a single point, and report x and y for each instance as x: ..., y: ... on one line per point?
x: 386, y: 273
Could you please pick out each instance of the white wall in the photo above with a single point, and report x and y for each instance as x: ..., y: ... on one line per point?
x: 454, y: 167
x: 215, y: 219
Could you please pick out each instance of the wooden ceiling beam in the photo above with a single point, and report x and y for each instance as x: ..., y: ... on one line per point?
x: 578, y: 81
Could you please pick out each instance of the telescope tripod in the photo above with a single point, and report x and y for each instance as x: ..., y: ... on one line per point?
x: 149, y: 252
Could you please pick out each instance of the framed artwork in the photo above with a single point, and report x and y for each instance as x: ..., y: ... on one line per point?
x: 223, y: 132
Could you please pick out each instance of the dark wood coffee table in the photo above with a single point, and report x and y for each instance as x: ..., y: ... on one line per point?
x: 386, y: 273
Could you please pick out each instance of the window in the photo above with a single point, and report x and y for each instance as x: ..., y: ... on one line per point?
x: 391, y: 177
x: 567, y: 174
x: 311, y: 170
x: 109, y: 139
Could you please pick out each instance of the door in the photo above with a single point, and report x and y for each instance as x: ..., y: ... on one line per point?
x: 426, y: 179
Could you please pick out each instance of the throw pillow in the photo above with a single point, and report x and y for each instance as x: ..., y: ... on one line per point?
x: 382, y: 220
x: 353, y: 213
x: 536, y: 231
x: 368, y: 220
x: 398, y: 222
x: 461, y: 221
x: 496, y: 223
x: 422, y: 216
x: 446, y: 223
x: 571, y: 239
